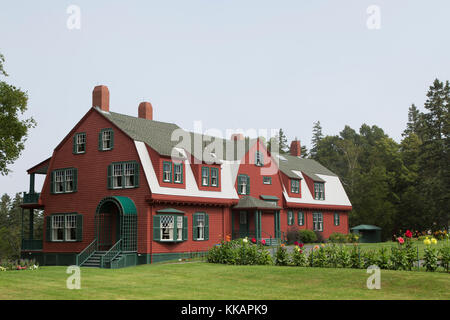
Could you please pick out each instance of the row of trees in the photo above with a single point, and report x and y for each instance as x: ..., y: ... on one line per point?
x: 394, y: 185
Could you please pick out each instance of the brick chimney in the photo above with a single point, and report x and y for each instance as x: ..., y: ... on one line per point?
x: 237, y: 137
x: 100, y: 98
x: 145, y: 110
x: 296, y: 148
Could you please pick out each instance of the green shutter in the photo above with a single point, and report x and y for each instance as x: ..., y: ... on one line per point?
x: 185, y: 228
x: 182, y: 173
x: 248, y: 185
x: 100, y: 146
x: 52, y: 182
x: 112, y: 139
x: 74, y: 147
x: 194, y: 227
x: 110, y: 184
x: 48, y: 226
x: 75, y: 179
x: 206, y: 227
x: 136, y: 174
x: 79, y: 227
x: 156, y: 228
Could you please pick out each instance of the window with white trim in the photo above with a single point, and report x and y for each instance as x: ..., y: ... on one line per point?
x: 59, y: 181
x: 167, y: 171
x: 317, y: 221
x: 71, y: 227
x: 267, y: 180
x: 301, y: 218
x: 178, y: 173
x: 129, y: 175
x: 319, y: 191
x: 58, y: 228
x: 259, y: 159
x: 117, y: 175
x: 295, y: 186
x: 167, y: 223
x: 179, y: 228
x: 205, y: 176
x: 200, y: 226
x: 214, y: 177
x: 336, y: 219
x: 290, y: 218
x: 63, y: 181
x: 106, y: 140
x: 80, y: 143
x: 243, y: 184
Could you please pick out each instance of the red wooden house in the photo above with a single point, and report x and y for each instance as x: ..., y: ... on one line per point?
x: 122, y: 190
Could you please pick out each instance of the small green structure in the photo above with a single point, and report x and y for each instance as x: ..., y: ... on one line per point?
x: 367, y: 233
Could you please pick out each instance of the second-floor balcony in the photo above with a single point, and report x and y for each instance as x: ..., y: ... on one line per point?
x: 32, y: 197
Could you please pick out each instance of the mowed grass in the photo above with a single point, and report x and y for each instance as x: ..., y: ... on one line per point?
x: 212, y: 281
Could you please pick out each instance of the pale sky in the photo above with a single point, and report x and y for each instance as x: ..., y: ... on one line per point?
x: 231, y: 64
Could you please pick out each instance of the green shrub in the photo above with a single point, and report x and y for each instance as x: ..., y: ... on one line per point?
x: 352, y: 238
x: 399, y: 259
x: 307, y: 236
x: 240, y: 252
x: 368, y: 258
x: 298, y: 257
x: 445, y: 257
x: 355, y: 261
x: 431, y: 259
x: 343, y: 257
x: 337, y: 237
x: 383, y: 258
x: 281, y: 257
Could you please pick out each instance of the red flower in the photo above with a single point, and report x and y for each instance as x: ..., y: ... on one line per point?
x: 253, y: 240
x: 263, y: 242
x: 408, y: 234
x: 301, y: 245
x: 400, y: 240
x: 296, y: 243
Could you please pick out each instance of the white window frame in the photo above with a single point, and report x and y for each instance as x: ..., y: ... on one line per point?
x: 317, y: 221
x: 178, y: 175
x: 214, y: 179
x: 268, y: 181
x: 80, y: 142
x: 169, y: 225
x: 295, y: 186
x: 205, y: 176
x: 129, y: 175
x: 179, y: 228
x: 58, y: 224
x: 200, y: 226
x: 117, y: 175
x: 59, y: 181
x: 319, y: 191
x: 70, y: 225
x: 291, y: 219
x: 338, y: 220
x: 242, y: 184
x: 301, y: 218
x: 106, y: 140
x: 167, y: 174
x: 68, y: 180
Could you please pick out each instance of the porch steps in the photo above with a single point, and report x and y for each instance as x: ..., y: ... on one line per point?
x: 94, y: 260
x: 271, y: 241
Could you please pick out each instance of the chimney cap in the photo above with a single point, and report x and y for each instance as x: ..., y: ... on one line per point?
x: 100, y: 97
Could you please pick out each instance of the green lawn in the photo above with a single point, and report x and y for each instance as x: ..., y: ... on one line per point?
x: 210, y: 281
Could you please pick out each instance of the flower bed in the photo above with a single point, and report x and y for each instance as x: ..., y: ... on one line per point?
x: 21, y: 264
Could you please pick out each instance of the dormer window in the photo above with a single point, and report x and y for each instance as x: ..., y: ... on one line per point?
x: 205, y: 176
x: 295, y: 186
x: 319, y: 191
x: 178, y: 173
x: 214, y: 177
x: 259, y: 159
x: 243, y: 184
x: 167, y: 171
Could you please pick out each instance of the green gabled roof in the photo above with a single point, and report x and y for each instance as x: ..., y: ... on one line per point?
x: 365, y: 227
x: 249, y: 202
x: 170, y: 210
x: 309, y: 167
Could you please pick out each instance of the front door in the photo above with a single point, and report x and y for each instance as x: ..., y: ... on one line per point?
x: 243, y: 224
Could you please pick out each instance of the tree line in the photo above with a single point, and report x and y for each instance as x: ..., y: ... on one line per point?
x: 394, y: 185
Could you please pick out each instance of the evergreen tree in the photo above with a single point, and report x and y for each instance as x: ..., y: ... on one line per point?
x: 316, y: 138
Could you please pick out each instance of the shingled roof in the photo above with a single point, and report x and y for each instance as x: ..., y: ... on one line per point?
x: 158, y: 135
x: 249, y: 202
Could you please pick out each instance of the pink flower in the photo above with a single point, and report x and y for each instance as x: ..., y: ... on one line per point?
x: 296, y: 243
x: 400, y: 240
x: 263, y: 242
x: 408, y: 234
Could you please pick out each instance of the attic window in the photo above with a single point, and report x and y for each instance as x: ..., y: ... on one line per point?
x: 259, y: 159
x: 106, y: 139
x: 319, y: 191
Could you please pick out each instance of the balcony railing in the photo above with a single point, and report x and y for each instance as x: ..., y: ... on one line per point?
x: 31, y: 197
x: 32, y: 245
